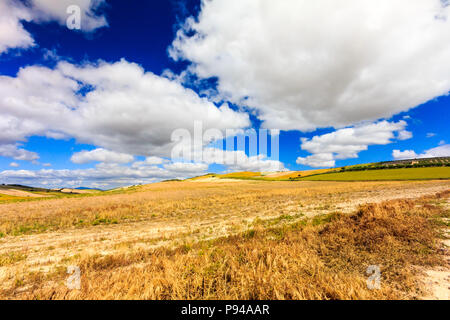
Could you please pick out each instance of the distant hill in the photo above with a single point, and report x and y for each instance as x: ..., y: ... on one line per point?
x: 18, y: 192
x: 398, y: 164
x: 431, y: 161
x: 378, y: 171
x: 23, y: 188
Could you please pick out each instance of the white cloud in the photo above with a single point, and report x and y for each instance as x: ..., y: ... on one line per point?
x: 239, y: 161
x: 348, y: 142
x: 51, y: 10
x: 100, y: 155
x: 149, y: 161
x: 233, y: 160
x: 152, y: 169
x: 257, y: 163
x: 15, y: 127
x: 305, y: 64
x: 12, y: 151
x: 440, y: 151
x: 186, y: 167
x: 430, y: 134
x: 404, y: 135
x: 14, y: 164
x: 13, y: 12
x: 12, y: 33
x: 125, y: 110
x: 401, y: 155
x: 318, y: 160
x: 154, y: 160
x: 109, y: 175
x: 104, y: 175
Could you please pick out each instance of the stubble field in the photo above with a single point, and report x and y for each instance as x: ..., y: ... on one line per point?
x: 230, y: 240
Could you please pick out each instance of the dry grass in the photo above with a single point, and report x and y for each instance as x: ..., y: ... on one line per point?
x: 333, y: 174
x: 296, y: 174
x: 316, y: 259
x: 384, y: 174
x: 188, y: 202
x: 11, y: 258
x: 267, y: 176
x: 242, y: 174
x: 245, y: 239
x: 20, y: 193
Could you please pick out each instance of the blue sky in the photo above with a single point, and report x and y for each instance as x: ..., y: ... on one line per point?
x: 97, y: 106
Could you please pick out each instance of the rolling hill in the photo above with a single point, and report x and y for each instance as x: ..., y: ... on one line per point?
x: 411, y: 169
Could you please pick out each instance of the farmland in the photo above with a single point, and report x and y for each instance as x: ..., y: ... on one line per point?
x: 19, y: 193
x: 418, y: 169
x: 215, y: 238
x: 384, y: 174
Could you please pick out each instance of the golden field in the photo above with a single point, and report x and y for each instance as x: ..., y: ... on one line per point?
x: 230, y: 239
x: 335, y: 174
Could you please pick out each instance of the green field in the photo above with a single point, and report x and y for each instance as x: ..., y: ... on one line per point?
x: 385, y: 174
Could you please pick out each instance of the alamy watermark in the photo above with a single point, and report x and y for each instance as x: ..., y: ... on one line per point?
x: 73, y: 21
x: 374, y: 279
x: 225, y: 146
x: 74, y: 280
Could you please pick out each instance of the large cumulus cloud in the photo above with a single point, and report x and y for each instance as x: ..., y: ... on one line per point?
x: 116, y: 106
x: 346, y: 143
x: 439, y: 151
x: 305, y: 64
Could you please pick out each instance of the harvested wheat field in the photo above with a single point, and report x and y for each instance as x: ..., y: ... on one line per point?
x: 231, y: 240
x: 19, y: 193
